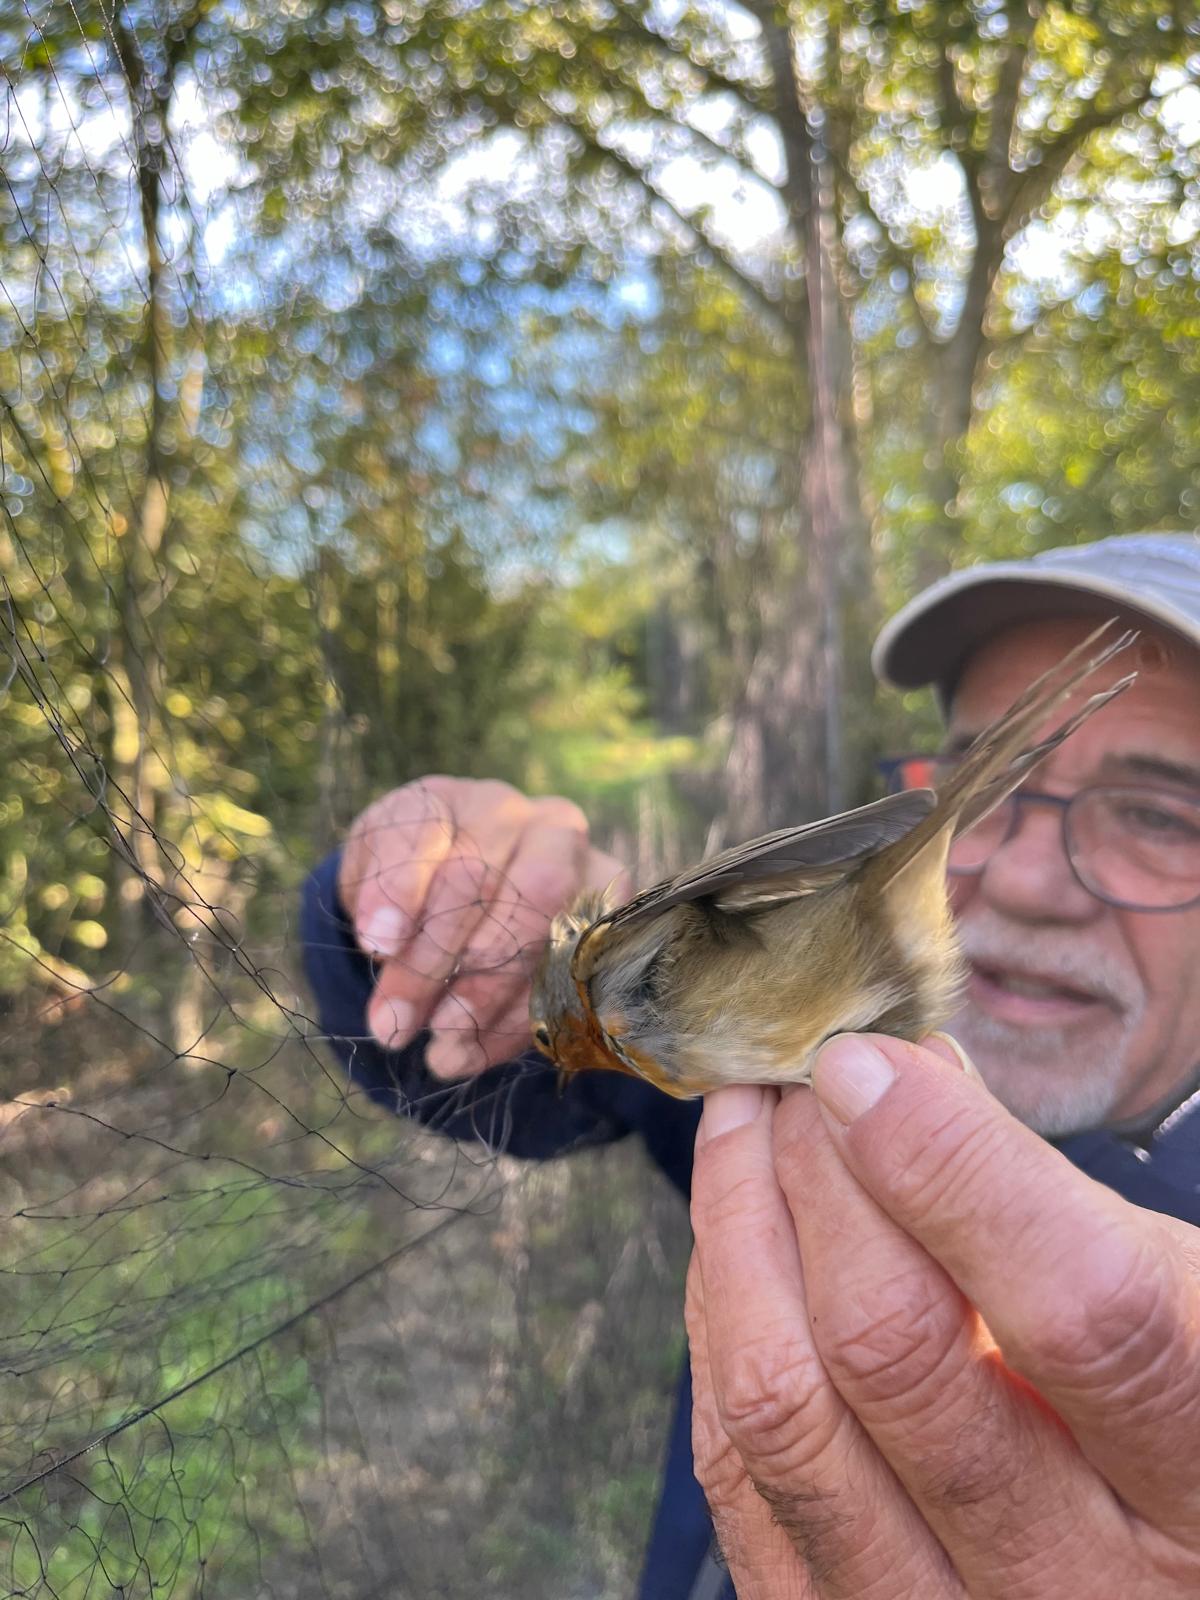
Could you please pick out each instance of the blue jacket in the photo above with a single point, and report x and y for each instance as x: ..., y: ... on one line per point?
x: 518, y: 1108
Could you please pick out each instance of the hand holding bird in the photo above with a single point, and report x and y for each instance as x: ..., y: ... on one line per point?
x: 737, y: 970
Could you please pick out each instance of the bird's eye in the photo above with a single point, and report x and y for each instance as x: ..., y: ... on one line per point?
x: 541, y: 1036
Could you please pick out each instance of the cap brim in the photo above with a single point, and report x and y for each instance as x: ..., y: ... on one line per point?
x: 930, y: 638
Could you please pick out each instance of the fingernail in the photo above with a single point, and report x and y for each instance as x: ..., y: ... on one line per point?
x: 446, y: 1056
x: 451, y: 1016
x: 951, y: 1052
x: 850, y: 1075
x: 381, y: 932
x: 398, y: 1022
x: 726, y: 1109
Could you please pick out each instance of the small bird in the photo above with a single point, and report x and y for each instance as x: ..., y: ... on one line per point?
x: 738, y: 969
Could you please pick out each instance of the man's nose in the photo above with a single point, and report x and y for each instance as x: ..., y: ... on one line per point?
x: 1029, y: 877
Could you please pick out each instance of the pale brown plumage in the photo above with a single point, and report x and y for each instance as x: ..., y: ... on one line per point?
x: 738, y: 969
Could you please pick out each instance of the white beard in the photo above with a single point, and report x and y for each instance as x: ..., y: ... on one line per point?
x: 1068, y: 1083
x: 1057, y: 1080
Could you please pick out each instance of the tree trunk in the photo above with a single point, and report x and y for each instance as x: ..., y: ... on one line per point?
x: 787, y: 756
x: 990, y: 186
x: 137, y: 667
x: 329, y: 820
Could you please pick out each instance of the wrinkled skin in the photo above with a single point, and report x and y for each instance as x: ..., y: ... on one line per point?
x: 931, y: 1357
x: 1133, y: 1036
x: 451, y: 884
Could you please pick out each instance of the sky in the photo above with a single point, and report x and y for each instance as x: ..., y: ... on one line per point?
x: 743, y: 210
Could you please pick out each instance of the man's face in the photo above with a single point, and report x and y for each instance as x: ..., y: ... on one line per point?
x: 1079, y: 1014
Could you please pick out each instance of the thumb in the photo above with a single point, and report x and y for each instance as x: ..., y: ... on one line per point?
x: 951, y: 1052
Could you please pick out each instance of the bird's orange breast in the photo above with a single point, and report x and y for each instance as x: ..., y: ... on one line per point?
x: 585, y: 1043
x: 580, y: 1046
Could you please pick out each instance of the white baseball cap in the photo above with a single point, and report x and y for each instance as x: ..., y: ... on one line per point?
x: 1154, y: 575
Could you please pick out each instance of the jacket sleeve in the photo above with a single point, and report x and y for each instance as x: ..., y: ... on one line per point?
x: 1160, y: 1175
x: 517, y: 1108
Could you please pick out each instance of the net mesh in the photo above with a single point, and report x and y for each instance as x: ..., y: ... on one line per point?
x: 258, y: 1335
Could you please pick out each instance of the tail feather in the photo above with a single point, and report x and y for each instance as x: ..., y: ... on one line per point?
x: 977, y: 806
x: 1001, y: 757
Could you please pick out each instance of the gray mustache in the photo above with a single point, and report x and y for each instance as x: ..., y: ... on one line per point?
x: 1046, y: 959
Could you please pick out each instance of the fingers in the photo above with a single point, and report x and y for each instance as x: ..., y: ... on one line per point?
x: 484, y: 1018
x: 1089, y: 1298
x: 470, y: 878
x: 465, y: 1051
x: 998, y: 1480
x: 827, y: 1487
x: 452, y: 883
x: 761, y: 1557
x: 493, y: 970
x: 391, y: 854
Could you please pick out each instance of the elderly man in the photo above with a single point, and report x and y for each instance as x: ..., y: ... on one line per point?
x: 932, y: 1356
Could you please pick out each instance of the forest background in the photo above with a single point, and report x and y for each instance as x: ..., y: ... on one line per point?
x: 560, y: 392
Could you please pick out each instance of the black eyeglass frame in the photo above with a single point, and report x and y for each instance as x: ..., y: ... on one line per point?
x: 893, y: 768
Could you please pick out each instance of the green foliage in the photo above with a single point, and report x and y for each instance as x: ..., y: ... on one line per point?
x: 162, y: 1497
x: 1095, y: 426
x: 408, y: 411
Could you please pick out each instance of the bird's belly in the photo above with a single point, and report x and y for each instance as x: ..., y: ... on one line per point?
x: 758, y: 1013
x: 770, y: 1048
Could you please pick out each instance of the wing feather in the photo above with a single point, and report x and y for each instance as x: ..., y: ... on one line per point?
x: 781, y: 865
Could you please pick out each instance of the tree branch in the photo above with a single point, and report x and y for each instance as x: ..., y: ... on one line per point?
x: 178, y: 36
x: 892, y: 251
x: 755, y: 96
x: 774, y: 313
x: 995, y: 176
x: 623, y: 82
x: 955, y: 122
x: 1037, y: 183
x: 989, y: 184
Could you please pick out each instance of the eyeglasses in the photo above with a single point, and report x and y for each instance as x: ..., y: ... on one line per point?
x: 1134, y: 846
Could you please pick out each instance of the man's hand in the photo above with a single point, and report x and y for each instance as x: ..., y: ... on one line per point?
x: 933, y: 1359
x: 451, y: 884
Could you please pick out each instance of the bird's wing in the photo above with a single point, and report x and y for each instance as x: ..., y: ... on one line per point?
x: 779, y: 866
